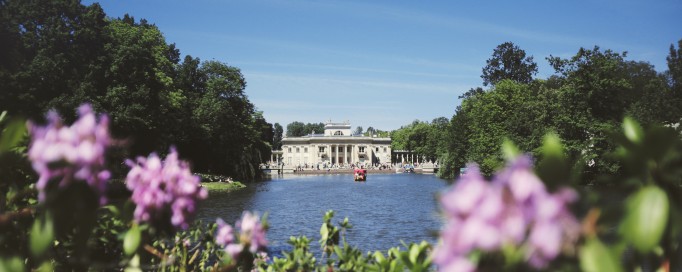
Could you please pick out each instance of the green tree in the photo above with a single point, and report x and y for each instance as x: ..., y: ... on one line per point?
x: 674, y: 76
x: 369, y: 132
x: 509, y: 62
x: 139, y: 82
x: 358, y: 131
x: 316, y: 128
x: 49, y: 55
x: 277, y: 138
x: 296, y: 129
x: 674, y: 60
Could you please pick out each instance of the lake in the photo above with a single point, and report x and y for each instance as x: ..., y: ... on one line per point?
x: 384, y: 210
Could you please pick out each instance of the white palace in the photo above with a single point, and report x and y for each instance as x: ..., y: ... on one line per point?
x: 337, y: 146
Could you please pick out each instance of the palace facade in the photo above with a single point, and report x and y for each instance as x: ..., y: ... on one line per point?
x: 336, y: 146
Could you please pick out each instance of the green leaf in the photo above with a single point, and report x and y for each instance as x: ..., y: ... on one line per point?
x: 324, y: 232
x: 134, y: 264
x: 379, y: 257
x: 132, y: 240
x: 551, y: 146
x: 46, y: 267
x: 414, y: 254
x: 553, y: 168
x: 42, y: 235
x: 509, y: 150
x: 633, y: 131
x: 12, y: 134
x: 646, y: 219
x: 12, y: 265
x: 595, y: 257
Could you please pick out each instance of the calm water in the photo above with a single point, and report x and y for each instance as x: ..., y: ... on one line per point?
x: 384, y: 210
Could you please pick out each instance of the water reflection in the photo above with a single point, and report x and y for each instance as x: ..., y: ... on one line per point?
x: 383, y: 211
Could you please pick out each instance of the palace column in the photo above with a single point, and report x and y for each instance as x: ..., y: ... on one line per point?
x: 353, y: 156
x: 345, y: 154
x: 335, y: 153
x: 329, y: 152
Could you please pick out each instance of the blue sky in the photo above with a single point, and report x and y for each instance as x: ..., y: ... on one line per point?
x: 387, y: 63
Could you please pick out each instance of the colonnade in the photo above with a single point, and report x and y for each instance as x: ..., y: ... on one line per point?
x: 276, y: 158
x: 403, y: 158
x: 334, y: 152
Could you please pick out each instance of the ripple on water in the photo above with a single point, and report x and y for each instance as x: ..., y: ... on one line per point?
x: 384, y: 210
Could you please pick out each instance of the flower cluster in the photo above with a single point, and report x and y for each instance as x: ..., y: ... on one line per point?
x: 71, y: 153
x: 251, y: 235
x: 513, y: 209
x: 162, y: 187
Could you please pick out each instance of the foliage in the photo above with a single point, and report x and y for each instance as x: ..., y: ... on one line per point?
x: 357, y: 131
x: 423, y: 138
x: 60, y: 54
x: 277, y: 137
x: 298, y: 129
x: 588, y: 97
x: 509, y: 62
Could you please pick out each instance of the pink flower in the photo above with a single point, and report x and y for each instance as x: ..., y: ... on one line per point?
x: 251, y: 232
x: 459, y: 265
x: 234, y: 250
x: 466, y: 194
x: 224, y: 234
x: 251, y: 235
x: 74, y: 153
x: 514, y: 209
x: 164, y: 187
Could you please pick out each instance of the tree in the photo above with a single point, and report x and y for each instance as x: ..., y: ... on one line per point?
x: 370, y: 131
x: 314, y: 128
x: 358, y: 131
x: 674, y: 75
x: 50, y: 56
x: 277, y: 140
x: 296, y: 129
x: 266, y: 130
x: 674, y: 60
x: 60, y: 54
x: 509, y: 62
x: 139, y: 83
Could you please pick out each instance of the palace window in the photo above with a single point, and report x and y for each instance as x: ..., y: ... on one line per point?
x: 338, y: 132
x: 289, y: 149
x: 298, y: 150
x: 349, y: 149
x: 305, y: 150
x: 385, y: 150
x: 377, y: 149
x: 361, y: 149
x: 321, y: 149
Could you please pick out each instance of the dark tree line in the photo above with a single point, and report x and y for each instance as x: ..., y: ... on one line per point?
x: 584, y: 101
x: 59, y: 54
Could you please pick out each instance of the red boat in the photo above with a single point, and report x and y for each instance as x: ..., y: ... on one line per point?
x: 360, y: 175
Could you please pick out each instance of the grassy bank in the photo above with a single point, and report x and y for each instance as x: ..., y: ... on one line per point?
x: 214, y: 187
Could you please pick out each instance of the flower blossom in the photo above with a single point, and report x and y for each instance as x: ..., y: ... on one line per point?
x: 513, y: 209
x: 71, y: 153
x: 251, y: 232
x: 251, y: 235
x: 164, y: 188
x: 224, y: 234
